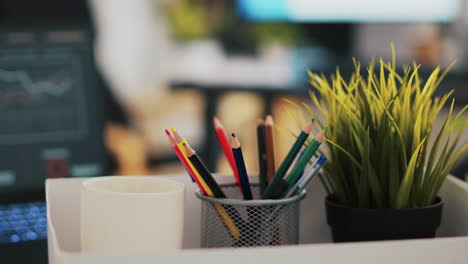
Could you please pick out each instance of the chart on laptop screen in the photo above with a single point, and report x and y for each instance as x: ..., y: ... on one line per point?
x: 41, y: 97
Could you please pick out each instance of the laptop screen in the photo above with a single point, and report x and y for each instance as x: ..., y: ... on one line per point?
x: 50, y: 109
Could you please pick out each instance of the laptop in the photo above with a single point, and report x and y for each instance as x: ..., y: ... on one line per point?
x: 51, y: 125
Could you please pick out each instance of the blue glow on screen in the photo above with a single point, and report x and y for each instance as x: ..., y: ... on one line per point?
x: 262, y: 10
x: 394, y: 11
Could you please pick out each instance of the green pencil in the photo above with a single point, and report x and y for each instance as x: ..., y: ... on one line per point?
x: 300, y: 165
x: 283, y: 168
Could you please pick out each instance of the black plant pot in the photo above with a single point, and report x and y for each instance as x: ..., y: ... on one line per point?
x: 359, y: 224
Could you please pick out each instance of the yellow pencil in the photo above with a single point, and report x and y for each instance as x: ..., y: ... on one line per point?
x: 180, y: 141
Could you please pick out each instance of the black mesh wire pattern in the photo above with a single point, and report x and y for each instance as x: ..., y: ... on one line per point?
x: 235, y: 222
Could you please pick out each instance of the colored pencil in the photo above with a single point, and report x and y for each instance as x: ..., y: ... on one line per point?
x: 204, y: 172
x: 239, y: 158
x: 288, y: 160
x: 311, y: 149
x: 224, y: 142
x: 269, y: 143
x: 220, y: 210
x: 297, y: 189
x: 217, y: 191
x: 262, y: 157
x: 182, y: 159
x: 180, y: 141
x: 301, y: 153
x: 308, y: 175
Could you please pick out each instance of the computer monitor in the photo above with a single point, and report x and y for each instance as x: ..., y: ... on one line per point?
x: 347, y: 11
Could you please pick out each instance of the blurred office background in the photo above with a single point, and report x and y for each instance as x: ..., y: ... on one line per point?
x: 182, y: 61
x: 87, y: 87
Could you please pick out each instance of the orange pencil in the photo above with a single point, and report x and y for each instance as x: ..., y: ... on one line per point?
x: 270, y: 147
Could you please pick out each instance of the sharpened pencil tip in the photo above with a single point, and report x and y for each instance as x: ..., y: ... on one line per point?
x: 173, y: 129
x: 308, y: 128
x: 217, y: 123
x: 188, y: 150
x: 167, y: 132
x: 320, y: 136
x: 234, y: 141
x: 269, y: 120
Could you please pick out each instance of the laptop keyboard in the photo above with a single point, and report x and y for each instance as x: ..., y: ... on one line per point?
x: 23, y: 222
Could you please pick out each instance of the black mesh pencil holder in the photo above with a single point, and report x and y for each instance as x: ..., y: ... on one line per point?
x: 234, y: 222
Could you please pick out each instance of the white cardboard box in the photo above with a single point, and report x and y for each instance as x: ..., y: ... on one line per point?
x: 451, y: 246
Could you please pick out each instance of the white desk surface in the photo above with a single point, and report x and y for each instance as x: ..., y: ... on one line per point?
x: 63, y: 210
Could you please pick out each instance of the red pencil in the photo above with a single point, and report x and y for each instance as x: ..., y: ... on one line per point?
x: 223, y: 140
x: 184, y: 160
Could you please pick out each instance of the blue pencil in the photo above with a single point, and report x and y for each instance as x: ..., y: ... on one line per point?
x: 239, y: 158
x: 308, y: 175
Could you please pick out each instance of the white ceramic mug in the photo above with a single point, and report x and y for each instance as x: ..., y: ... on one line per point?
x: 131, y: 215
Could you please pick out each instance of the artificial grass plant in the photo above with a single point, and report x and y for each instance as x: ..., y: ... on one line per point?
x: 379, y: 135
